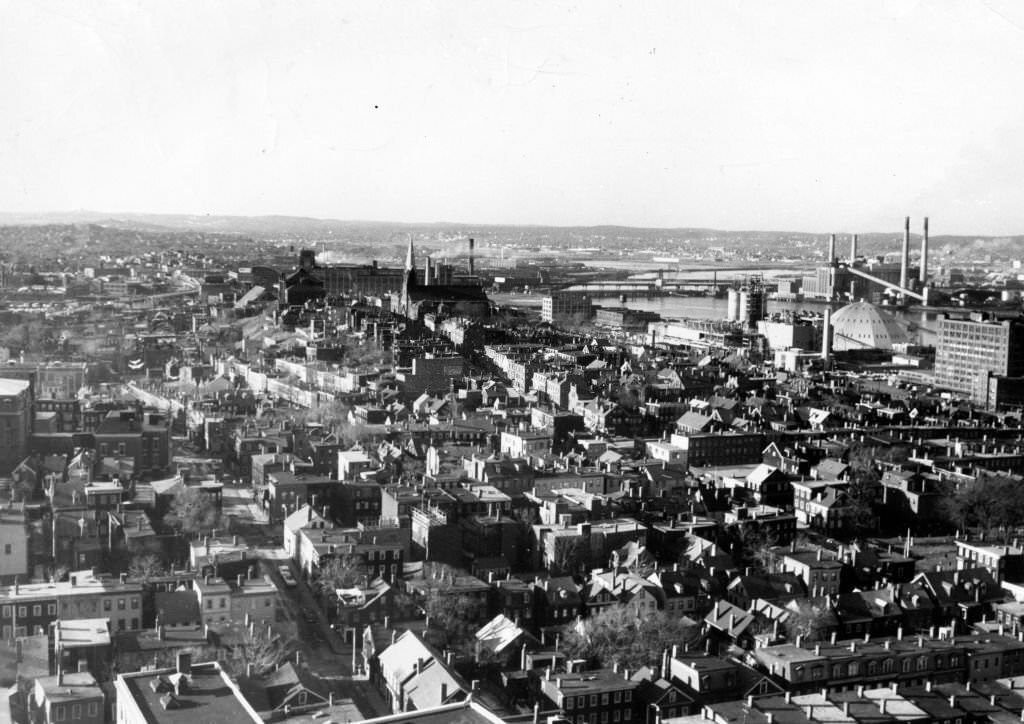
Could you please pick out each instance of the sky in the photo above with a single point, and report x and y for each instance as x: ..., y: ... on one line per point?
x: 811, y: 116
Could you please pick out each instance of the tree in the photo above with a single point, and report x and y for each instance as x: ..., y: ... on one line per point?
x: 144, y: 566
x: 452, y: 618
x: 810, y: 621
x: 618, y: 634
x: 752, y: 546
x: 342, y: 571
x: 862, y: 492
x: 193, y: 511
x: 261, y: 648
x: 565, y: 554
x: 993, y: 503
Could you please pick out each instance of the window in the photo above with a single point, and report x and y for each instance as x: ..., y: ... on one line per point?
x: 51, y: 609
x: 120, y: 604
x: 568, y: 702
x: 604, y: 699
x: 135, y: 624
x: 617, y: 715
x: 107, y: 604
x: 627, y: 714
x: 58, y: 713
x: 93, y: 708
x: 135, y: 604
x: 604, y: 717
x: 223, y: 602
x: 629, y: 696
x: 76, y: 711
x: 22, y: 611
x: 209, y: 603
x: 37, y: 610
x: 617, y: 698
x: 593, y: 700
x: 7, y: 548
x: 6, y: 611
x: 120, y: 624
x: 853, y: 669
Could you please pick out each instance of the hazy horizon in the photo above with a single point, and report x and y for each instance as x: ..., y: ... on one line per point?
x: 915, y: 229
x: 743, y: 115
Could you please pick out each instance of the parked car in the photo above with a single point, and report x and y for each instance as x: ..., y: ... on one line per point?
x: 286, y: 574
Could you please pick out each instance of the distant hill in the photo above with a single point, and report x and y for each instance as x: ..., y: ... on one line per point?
x: 443, y: 234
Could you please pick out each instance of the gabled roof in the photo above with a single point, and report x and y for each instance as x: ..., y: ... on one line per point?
x: 301, y: 518
x: 499, y: 633
x: 399, y: 660
x: 729, y: 619
x: 694, y: 421
x: 424, y: 690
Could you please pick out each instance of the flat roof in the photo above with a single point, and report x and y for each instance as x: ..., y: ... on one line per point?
x: 209, y: 697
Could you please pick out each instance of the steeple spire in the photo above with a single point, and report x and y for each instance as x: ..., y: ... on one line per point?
x: 409, y: 262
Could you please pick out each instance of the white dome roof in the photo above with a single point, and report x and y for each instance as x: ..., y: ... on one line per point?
x: 864, y: 326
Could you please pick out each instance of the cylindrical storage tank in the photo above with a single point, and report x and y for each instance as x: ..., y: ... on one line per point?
x: 732, y: 307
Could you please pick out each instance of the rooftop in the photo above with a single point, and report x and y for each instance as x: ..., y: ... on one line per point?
x: 208, y: 697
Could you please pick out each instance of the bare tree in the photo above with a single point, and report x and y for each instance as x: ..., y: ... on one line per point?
x: 618, y: 634
x: 193, y: 511
x: 264, y: 650
x: 144, y: 566
x: 565, y: 554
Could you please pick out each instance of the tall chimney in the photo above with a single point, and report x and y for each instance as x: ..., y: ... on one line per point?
x: 831, y: 249
x: 853, y: 248
x: 471, y: 268
x: 905, y: 253
x: 428, y: 273
x: 922, y: 275
x: 826, y: 335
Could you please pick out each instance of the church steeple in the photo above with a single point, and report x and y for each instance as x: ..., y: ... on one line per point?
x: 410, y: 263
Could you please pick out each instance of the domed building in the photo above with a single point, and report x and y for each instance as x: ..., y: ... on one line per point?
x: 862, y: 325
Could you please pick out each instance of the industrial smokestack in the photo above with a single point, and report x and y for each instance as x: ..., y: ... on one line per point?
x: 471, y: 270
x: 853, y: 248
x: 831, y: 249
x: 428, y: 273
x: 922, y: 275
x: 905, y: 253
x: 826, y: 335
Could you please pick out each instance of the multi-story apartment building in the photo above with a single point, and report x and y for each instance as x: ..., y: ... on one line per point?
x: 27, y: 609
x: 589, y: 697
x: 14, y: 542
x: 15, y: 422
x: 969, y: 350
